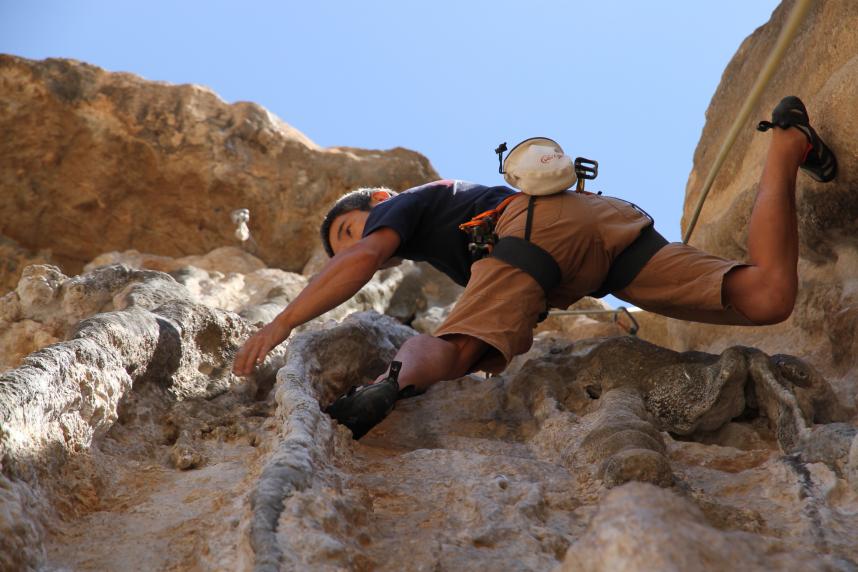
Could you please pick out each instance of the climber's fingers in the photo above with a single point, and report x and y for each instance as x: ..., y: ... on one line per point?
x: 255, y: 349
x: 240, y: 358
x: 252, y: 352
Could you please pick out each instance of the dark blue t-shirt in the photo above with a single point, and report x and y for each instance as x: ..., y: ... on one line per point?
x: 427, y: 219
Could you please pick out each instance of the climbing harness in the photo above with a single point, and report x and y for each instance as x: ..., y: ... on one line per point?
x: 534, y: 260
x: 787, y: 34
x: 481, y: 230
x: 527, y: 256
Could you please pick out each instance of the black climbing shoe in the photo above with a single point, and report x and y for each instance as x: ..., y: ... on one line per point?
x: 362, y: 408
x: 820, y: 164
x: 408, y: 392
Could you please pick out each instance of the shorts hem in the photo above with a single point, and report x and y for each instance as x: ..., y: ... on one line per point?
x: 492, y: 354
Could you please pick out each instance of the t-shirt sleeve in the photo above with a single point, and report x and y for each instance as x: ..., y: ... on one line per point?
x: 402, y: 213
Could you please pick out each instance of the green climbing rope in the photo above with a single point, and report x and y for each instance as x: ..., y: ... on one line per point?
x: 787, y: 34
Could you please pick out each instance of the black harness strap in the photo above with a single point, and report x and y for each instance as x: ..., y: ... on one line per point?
x: 630, y: 261
x: 530, y: 258
x: 526, y: 256
x: 527, y: 226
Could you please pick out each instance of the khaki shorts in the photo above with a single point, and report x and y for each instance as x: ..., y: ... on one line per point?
x: 584, y: 233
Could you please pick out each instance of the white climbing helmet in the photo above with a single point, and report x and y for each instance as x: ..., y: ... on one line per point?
x: 538, y: 166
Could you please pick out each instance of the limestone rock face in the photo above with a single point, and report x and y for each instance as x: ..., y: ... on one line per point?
x: 13, y: 259
x: 621, y: 535
x: 133, y: 431
x: 584, y: 326
x: 46, y: 305
x: 92, y: 161
x: 821, y: 67
x: 424, y: 298
x: 126, y: 442
x: 510, y: 470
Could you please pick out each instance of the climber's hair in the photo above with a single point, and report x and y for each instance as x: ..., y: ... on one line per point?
x: 358, y: 200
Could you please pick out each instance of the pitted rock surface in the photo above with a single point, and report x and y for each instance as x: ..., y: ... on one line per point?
x: 13, y: 259
x: 126, y: 443
x: 459, y: 464
x: 624, y: 442
x: 50, y: 305
x: 509, y: 472
x: 46, y: 305
x: 639, y: 527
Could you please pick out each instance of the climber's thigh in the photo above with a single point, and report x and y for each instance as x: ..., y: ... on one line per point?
x: 500, y: 306
x: 683, y: 282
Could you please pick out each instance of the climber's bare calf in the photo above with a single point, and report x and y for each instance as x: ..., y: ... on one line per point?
x: 765, y: 291
x: 427, y: 360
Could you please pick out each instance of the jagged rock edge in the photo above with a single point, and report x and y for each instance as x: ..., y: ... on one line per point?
x: 96, y: 344
x: 307, y: 430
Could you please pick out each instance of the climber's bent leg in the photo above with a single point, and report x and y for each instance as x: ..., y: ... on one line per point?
x: 765, y: 290
x: 494, y: 317
x: 683, y: 282
x: 427, y: 360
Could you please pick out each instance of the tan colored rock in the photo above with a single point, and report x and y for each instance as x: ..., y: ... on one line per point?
x: 21, y: 530
x: 583, y: 326
x: 19, y: 339
x: 135, y: 164
x: 145, y: 436
x: 642, y: 528
x: 625, y: 443
x: 46, y: 305
x: 425, y: 297
x: 227, y: 277
x: 224, y: 259
x: 821, y: 67
x: 655, y: 328
x: 13, y: 259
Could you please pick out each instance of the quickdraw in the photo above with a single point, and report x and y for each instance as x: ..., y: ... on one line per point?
x: 481, y: 230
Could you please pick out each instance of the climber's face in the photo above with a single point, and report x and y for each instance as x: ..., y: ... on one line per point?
x: 347, y: 229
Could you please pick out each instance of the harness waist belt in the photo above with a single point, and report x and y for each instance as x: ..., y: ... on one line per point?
x: 630, y: 261
x: 526, y: 256
x: 537, y: 262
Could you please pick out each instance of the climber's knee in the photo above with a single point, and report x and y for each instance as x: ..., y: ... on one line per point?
x: 763, y: 297
x: 468, y: 351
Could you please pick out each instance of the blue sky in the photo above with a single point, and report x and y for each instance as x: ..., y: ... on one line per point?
x: 626, y: 83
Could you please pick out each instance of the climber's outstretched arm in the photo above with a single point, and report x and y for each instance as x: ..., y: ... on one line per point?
x: 339, y: 280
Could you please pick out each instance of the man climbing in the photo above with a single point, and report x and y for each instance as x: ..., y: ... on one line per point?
x: 584, y: 234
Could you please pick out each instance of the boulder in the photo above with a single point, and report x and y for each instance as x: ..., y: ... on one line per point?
x: 13, y: 259
x: 640, y: 528
x: 46, y: 305
x: 135, y: 164
x: 821, y: 67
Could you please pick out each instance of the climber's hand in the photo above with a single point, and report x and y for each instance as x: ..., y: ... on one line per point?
x: 258, y: 345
